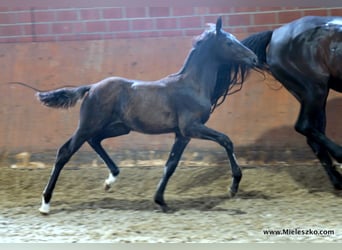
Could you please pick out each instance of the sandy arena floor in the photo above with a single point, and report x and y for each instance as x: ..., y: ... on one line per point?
x: 296, y: 198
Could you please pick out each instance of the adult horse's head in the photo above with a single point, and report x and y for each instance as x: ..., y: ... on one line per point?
x: 225, y: 46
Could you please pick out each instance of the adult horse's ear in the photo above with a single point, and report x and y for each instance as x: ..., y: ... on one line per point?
x: 218, y: 25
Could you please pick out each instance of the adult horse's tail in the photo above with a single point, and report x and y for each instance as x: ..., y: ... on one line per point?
x: 59, y: 98
x: 258, y: 43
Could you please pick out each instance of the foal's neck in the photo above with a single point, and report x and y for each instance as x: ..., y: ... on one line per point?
x: 200, y: 69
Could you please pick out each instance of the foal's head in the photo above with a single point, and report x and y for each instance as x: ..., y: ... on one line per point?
x: 225, y: 46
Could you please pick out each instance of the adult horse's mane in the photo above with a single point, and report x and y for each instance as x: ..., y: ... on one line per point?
x: 228, y: 75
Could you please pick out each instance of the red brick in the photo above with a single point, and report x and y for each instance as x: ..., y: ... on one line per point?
x: 15, y: 39
x: 166, y: 23
x: 26, y: 29
x: 202, y: 10
x: 159, y: 11
x: 217, y: 10
x: 265, y: 18
x: 110, y: 13
x: 180, y: 11
x: 61, y: 28
x: 44, y: 16
x: 6, y: 18
x: 134, y: 12
x: 168, y: 33
x: 237, y: 30
x: 13, y: 30
x: 84, y: 37
x: 42, y: 28
x: 244, y: 9
x: 193, y: 32
x: 78, y: 27
x: 118, y: 25
x: 23, y: 17
x: 66, y: 15
x: 254, y: 29
x: 47, y: 38
x: 336, y: 12
x: 267, y: 8
x: 95, y: 26
x: 190, y: 22
x: 4, y: 9
x: 125, y: 35
x: 90, y: 14
x: 315, y: 12
x: 67, y: 37
x: 288, y: 16
x: 108, y: 36
x: 142, y: 24
x: 239, y: 19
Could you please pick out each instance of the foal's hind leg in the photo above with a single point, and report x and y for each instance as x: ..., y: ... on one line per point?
x: 63, y: 156
x: 171, y: 165
x: 95, y: 143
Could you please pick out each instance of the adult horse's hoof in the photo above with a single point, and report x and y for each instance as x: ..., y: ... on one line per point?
x: 44, y: 208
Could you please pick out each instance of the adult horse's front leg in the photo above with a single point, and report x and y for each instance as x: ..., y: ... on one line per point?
x: 63, y: 156
x: 202, y: 132
x: 171, y: 165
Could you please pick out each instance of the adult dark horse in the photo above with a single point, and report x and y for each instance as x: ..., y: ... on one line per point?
x: 305, y: 57
x: 180, y: 103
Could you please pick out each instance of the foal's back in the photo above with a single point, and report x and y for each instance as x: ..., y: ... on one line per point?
x: 143, y: 106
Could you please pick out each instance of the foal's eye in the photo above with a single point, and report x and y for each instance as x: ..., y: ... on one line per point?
x: 229, y: 43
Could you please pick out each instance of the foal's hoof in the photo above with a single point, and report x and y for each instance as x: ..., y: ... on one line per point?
x: 106, y: 187
x: 166, y: 209
x: 109, y: 181
x: 338, y: 186
x: 232, y: 193
x: 44, y: 208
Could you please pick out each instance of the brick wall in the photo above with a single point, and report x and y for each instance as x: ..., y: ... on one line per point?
x: 39, y: 21
x: 75, y: 42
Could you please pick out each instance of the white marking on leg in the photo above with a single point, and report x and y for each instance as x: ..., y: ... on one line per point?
x: 109, y: 181
x: 45, y: 207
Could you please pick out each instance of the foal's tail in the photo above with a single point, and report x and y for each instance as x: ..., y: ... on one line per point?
x: 258, y: 44
x: 66, y: 97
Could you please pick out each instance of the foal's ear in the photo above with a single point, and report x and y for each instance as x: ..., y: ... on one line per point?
x: 218, y: 25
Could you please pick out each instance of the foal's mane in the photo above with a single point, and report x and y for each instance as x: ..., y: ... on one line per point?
x: 228, y: 75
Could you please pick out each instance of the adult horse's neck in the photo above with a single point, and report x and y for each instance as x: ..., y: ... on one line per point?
x: 200, y: 71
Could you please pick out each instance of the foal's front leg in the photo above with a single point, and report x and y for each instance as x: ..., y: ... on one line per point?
x: 171, y: 165
x: 200, y: 131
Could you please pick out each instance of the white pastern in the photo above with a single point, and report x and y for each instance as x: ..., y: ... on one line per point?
x: 45, y: 207
x: 110, y: 180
